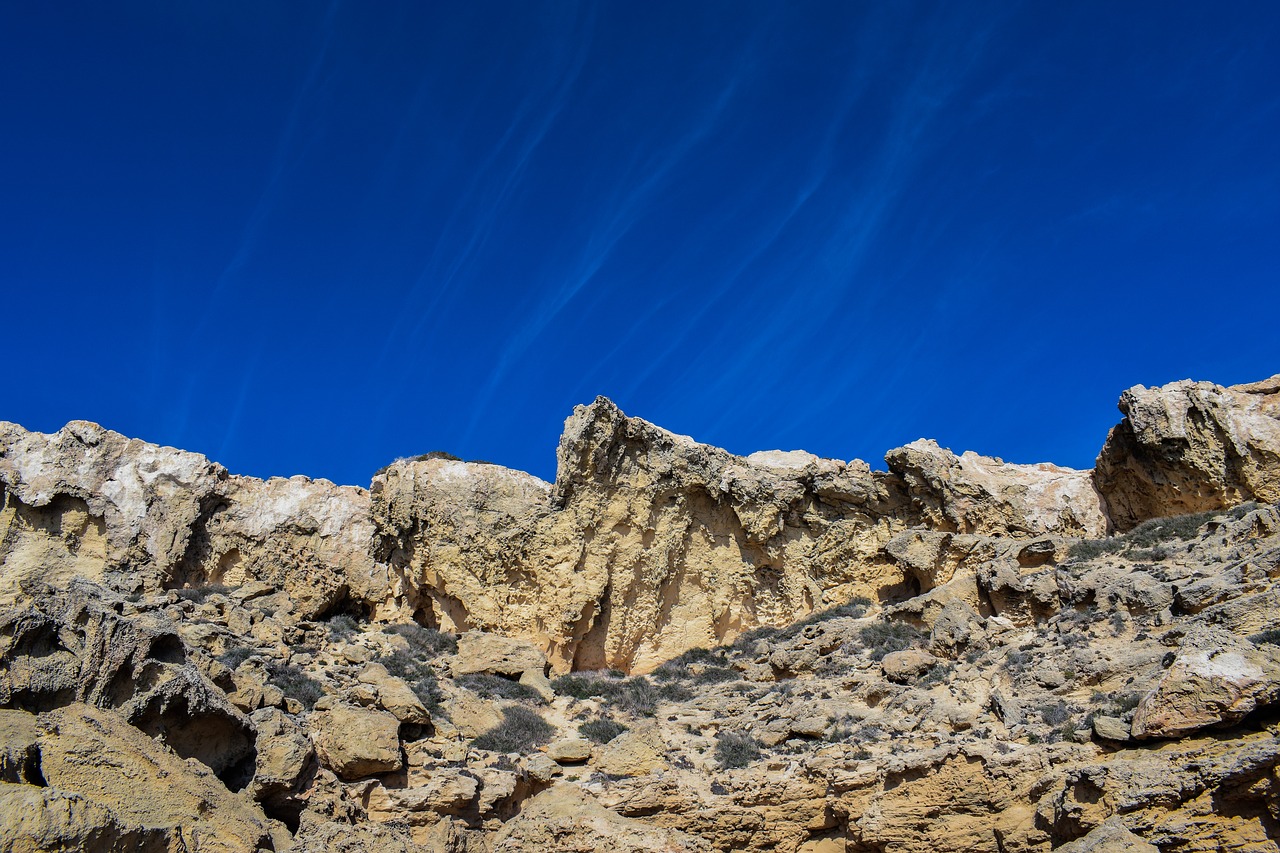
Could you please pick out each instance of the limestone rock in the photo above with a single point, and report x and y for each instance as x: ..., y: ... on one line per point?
x: 570, y: 750
x: 98, y: 756
x: 1190, y: 447
x: 37, y: 819
x: 1216, y: 679
x: 357, y: 742
x: 1111, y: 728
x: 478, y: 652
x: 284, y: 760
x: 906, y: 666
x: 563, y: 819
x: 19, y: 755
x: 394, y: 696
x: 1111, y: 836
x: 979, y: 494
x: 71, y: 648
x: 632, y: 753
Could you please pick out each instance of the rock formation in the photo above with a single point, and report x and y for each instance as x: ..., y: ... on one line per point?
x: 669, y: 648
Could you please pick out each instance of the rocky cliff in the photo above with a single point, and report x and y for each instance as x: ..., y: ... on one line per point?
x: 670, y: 647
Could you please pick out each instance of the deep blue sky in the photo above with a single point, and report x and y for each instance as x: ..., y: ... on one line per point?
x: 309, y: 238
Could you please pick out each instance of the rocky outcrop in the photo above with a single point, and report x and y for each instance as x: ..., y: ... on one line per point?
x: 87, y: 502
x: 1191, y: 447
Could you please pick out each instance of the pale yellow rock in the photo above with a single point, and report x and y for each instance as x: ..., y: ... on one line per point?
x: 1216, y: 679
x: 635, y: 752
x: 42, y: 819
x: 1190, y: 447
x: 357, y: 742
x: 393, y: 695
x: 563, y: 819
x: 570, y: 750
x: 19, y: 755
x: 97, y: 755
x: 478, y: 652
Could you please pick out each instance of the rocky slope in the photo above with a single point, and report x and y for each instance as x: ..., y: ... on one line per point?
x: 669, y: 648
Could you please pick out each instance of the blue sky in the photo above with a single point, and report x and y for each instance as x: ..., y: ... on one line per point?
x: 310, y: 238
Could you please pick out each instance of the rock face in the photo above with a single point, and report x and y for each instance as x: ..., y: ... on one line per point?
x: 289, y: 665
x: 1191, y: 447
x: 648, y: 543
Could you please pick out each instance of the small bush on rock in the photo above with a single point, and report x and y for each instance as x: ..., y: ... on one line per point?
x: 490, y: 686
x: 882, y: 638
x: 601, y: 730
x: 521, y: 730
x: 736, y: 750
x: 296, y: 684
x: 234, y: 656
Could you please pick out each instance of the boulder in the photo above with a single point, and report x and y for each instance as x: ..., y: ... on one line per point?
x: 479, y: 652
x: 1191, y: 447
x: 1111, y: 836
x: 906, y: 666
x: 357, y: 742
x: 564, y: 818
x: 96, y: 755
x: 394, y: 695
x: 1216, y: 679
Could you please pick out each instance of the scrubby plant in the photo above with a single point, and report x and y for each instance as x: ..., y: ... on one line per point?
x: 1271, y: 636
x: 490, y: 686
x: 601, y: 729
x: 715, y: 675
x: 234, y: 656
x: 1055, y: 713
x: 885, y: 637
x: 521, y: 729
x: 423, y: 641
x: 736, y: 750
x: 198, y: 594
x: 342, y: 625
x: 583, y: 685
x: 294, y: 683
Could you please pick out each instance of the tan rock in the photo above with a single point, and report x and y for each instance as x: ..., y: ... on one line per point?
x: 19, y: 754
x: 635, y: 752
x: 98, y: 756
x: 284, y: 758
x: 570, y: 750
x: 1216, y: 679
x: 906, y: 666
x: 479, y: 652
x: 394, y: 695
x: 1191, y: 447
x: 357, y: 742
x: 1111, y: 836
x: 563, y: 819
x: 38, y: 819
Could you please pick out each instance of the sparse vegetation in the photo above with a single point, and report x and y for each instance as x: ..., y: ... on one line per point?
x: 601, y: 730
x: 424, y: 641
x: 1150, y: 539
x: 736, y: 750
x: 1271, y: 637
x: 490, y: 686
x: 413, y: 663
x: 521, y: 729
x: 296, y: 684
x: 885, y: 637
x: 199, y: 594
x: 342, y: 626
x: 234, y: 656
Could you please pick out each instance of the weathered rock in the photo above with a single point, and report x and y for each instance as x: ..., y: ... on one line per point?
x: 1216, y: 679
x: 37, y: 819
x: 357, y: 742
x: 284, y: 761
x: 1111, y: 836
x: 632, y: 753
x: 478, y: 652
x: 1111, y: 728
x: 563, y: 819
x: 19, y: 755
x: 98, y: 756
x: 394, y: 696
x: 572, y: 750
x: 906, y: 666
x: 1190, y: 447
x: 87, y: 502
x: 71, y: 648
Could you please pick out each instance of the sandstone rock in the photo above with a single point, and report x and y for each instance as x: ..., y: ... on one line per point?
x: 98, y: 756
x: 1111, y: 728
x: 357, y: 742
x: 978, y: 494
x: 632, y: 753
x: 284, y: 761
x: 1216, y: 679
x: 1111, y: 836
x: 394, y: 696
x: 1191, y: 447
x: 48, y: 819
x: 564, y: 819
x: 19, y: 755
x: 479, y: 652
x: 570, y: 750
x: 906, y: 666
x: 71, y: 648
